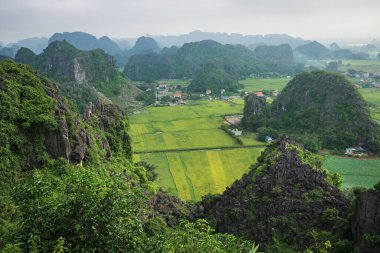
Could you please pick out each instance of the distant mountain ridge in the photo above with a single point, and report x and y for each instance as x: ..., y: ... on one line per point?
x: 86, y: 41
x: 143, y: 45
x: 187, y: 60
x: 225, y: 38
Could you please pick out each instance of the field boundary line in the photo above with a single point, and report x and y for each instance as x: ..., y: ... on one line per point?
x: 198, y: 149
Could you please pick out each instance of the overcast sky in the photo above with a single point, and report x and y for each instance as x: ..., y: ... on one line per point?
x: 310, y: 19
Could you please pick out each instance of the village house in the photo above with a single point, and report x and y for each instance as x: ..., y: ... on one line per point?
x: 222, y: 91
x: 208, y: 92
x: 233, y: 120
x: 356, y: 151
x: 274, y: 93
x: 259, y: 94
x: 268, y: 139
x: 177, y: 95
x: 237, y: 132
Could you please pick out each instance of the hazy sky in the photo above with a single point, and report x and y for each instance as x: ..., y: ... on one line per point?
x: 132, y: 18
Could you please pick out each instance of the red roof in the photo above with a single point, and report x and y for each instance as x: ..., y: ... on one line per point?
x: 177, y: 95
x: 259, y: 94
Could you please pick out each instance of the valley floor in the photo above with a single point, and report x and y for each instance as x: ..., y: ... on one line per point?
x: 194, y: 156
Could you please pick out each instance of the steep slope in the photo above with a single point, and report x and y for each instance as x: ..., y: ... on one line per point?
x: 192, y: 56
x: 327, y: 105
x: 69, y: 184
x: 79, y: 72
x: 149, y: 67
x: 366, y: 222
x: 143, y: 45
x: 215, y: 76
x: 284, y: 197
x: 279, y: 57
x: 321, y: 105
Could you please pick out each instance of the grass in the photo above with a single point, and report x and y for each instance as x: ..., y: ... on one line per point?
x: 355, y: 172
x: 260, y: 84
x: 196, y: 125
x: 205, y: 138
x: 372, y: 96
x: 362, y: 65
x: 174, y: 132
x: 193, y: 174
x: 174, y: 82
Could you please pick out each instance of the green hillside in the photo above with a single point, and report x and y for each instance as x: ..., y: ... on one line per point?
x: 82, y: 74
x: 321, y: 105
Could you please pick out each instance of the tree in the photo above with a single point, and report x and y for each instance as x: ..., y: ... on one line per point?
x: 86, y: 207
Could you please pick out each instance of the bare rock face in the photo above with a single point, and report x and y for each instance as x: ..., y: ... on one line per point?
x: 366, y: 224
x: 57, y: 142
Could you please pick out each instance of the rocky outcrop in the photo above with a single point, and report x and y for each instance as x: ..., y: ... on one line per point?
x: 256, y: 112
x: 57, y: 142
x: 169, y: 207
x: 366, y: 223
x: 286, y: 194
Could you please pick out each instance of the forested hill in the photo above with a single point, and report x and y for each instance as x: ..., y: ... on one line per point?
x: 215, y: 76
x: 82, y: 74
x: 284, y: 198
x: 191, y: 57
x: 320, y: 104
x: 63, y: 62
x: 68, y: 184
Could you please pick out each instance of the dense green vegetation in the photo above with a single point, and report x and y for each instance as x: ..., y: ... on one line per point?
x: 192, y: 57
x: 279, y: 58
x: 69, y: 185
x: 82, y: 74
x: 318, y: 105
x: 215, y: 76
x: 283, y: 200
x: 313, y: 50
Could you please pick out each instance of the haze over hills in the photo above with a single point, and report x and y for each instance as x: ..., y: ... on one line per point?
x: 85, y: 41
x: 191, y: 57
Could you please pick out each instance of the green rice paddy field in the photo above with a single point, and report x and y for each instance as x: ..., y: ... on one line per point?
x: 260, y: 84
x: 192, y: 154
x: 372, y: 96
x: 362, y: 65
x: 193, y: 174
x: 195, y: 157
x: 355, y: 172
